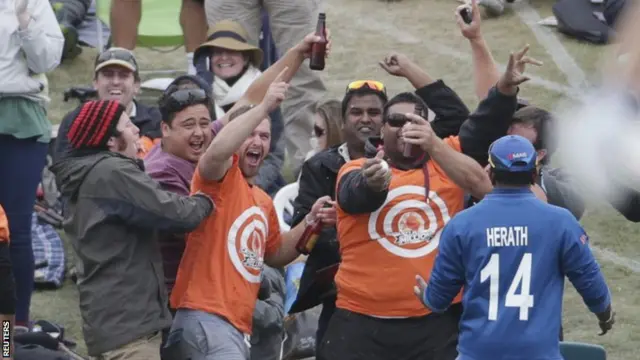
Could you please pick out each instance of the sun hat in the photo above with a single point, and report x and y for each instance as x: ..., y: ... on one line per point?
x: 230, y: 35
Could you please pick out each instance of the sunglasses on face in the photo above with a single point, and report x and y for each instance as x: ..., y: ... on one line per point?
x: 367, y: 84
x: 318, y: 131
x: 397, y: 120
x: 117, y: 54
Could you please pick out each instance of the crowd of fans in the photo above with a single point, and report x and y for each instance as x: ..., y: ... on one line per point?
x: 180, y: 253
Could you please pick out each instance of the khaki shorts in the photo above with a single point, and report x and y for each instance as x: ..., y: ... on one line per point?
x: 147, y: 348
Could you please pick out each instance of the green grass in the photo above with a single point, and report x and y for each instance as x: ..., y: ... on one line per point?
x: 364, y: 31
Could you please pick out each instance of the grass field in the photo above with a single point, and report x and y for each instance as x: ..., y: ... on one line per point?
x: 364, y: 31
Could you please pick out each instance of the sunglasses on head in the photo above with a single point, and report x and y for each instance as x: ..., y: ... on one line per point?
x: 367, y: 84
x: 180, y: 99
x: 117, y: 54
x: 318, y: 131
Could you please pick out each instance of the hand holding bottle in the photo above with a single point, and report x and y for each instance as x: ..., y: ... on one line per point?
x: 323, y: 211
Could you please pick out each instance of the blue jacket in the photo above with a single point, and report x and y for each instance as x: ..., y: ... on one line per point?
x: 511, y: 253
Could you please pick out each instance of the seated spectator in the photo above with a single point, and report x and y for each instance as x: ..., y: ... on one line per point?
x: 113, y: 214
x: 117, y: 77
x: 7, y: 283
x: 268, y: 316
x: 31, y: 46
x: 70, y: 14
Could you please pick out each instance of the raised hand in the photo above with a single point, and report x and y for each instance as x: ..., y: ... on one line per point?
x: 277, y: 92
x: 418, y: 132
x: 304, y: 47
x: 324, y: 210
x: 513, y: 75
x: 470, y: 31
x: 376, y: 172
x: 395, y: 64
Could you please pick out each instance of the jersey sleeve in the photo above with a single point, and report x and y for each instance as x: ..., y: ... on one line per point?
x: 217, y: 189
x: 454, y: 142
x: 447, y: 276
x: 580, y: 266
x: 274, y: 236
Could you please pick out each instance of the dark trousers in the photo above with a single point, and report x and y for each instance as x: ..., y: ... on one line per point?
x: 352, y: 336
x: 21, y: 165
x: 328, y: 308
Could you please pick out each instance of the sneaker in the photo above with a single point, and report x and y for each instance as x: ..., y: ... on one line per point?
x: 492, y: 7
x: 71, y: 49
x: 19, y: 329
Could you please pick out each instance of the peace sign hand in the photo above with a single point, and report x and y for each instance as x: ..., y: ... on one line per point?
x: 514, y: 73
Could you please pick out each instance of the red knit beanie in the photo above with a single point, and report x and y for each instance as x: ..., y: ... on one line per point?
x: 95, y: 124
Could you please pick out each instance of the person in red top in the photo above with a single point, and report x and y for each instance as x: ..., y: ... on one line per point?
x: 391, y: 209
x: 219, y: 276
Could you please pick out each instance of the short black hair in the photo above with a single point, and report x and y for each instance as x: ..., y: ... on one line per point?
x: 360, y: 92
x: 541, y: 120
x: 405, y: 97
x: 520, y: 178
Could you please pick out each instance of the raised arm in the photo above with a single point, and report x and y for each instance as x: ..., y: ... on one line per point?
x: 485, y: 69
x: 216, y: 161
x: 450, y: 111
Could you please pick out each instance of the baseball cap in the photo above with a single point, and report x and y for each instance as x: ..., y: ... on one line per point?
x: 117, y: 56
x: 512, y: 153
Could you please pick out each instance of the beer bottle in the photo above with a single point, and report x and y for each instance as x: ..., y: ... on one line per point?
x: 309, y: 237
x: 318, y: 49
x: 410, y: 150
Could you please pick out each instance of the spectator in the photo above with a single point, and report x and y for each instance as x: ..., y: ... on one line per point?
x: 327, y: 125
x: 508, y: 279
x: 362, y: 117
x: 267, y: 334
x: 216, y: 299
x: 383, y: 204
x: 70, y: 14
x: 125, y: 18
x: 31, y: 46
x: 117, y: 77
x: 233, y: 68
x: 7, y: 283
x: 112, y: 215
x: 290, y: 21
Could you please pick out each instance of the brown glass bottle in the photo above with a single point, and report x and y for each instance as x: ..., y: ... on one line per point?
x: 319, y: 49
x: 411, y: 150
x: 309, y: 238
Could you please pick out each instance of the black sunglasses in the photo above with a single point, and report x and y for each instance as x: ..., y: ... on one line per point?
x: 396, y: 120
x: 117, y: 54
x: 318, y: 131
x: 180, y: 99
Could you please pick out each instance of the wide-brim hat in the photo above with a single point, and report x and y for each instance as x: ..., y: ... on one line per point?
x: 230, y: 35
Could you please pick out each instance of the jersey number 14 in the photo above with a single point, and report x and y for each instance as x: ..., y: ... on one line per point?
x: 524, y: 300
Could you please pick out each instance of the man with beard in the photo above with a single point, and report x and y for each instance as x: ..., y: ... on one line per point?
x: 390, y: 215
x: 113, y: 213
x: 117, y: 78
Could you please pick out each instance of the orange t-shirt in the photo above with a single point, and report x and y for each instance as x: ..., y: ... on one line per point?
x: 146, y: 144
x: 383, y: 251
x: 220, y: 270
x: 4, y: 226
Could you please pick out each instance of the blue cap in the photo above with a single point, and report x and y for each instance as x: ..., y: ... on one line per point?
x: 512, y: 153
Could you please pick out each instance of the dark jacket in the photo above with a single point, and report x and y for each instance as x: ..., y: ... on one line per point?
x: 319, y: 174
x: 268, y: 316
x: 561, y: 191
x: 113, y: 212
x: 629, y: 204
x: 147, y: 119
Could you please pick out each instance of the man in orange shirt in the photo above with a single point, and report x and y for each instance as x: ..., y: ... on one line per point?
x: 390, y: 216
x: 7, y: 286
x: 220, y: 273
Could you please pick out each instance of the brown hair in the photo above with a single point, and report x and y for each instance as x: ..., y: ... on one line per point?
x: 331, y: 112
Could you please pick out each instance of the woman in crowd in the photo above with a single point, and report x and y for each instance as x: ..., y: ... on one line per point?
x: 31, y: 46
x: 326, y: 127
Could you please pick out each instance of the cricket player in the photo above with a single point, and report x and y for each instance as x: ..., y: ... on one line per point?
x: 511, y: 253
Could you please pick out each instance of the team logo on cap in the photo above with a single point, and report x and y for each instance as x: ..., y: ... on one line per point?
x: 246, y: 243
x: 406, y: 225
x: 515, y: 156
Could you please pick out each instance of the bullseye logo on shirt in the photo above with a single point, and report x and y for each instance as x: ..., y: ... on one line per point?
x: 246, y: 243
x: 408, y: 227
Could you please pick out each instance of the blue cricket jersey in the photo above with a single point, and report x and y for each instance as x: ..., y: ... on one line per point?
x: 511, y: 253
